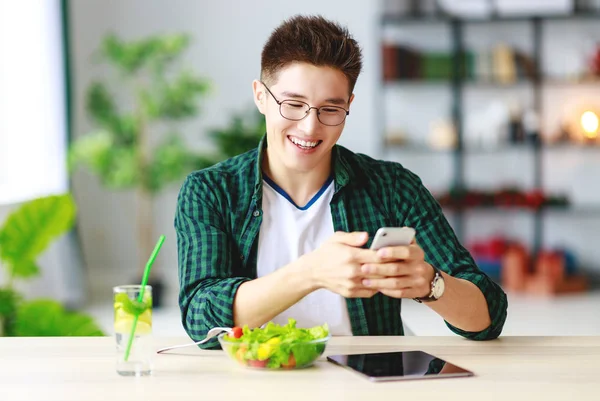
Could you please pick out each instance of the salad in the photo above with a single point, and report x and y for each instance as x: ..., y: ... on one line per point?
x: 276, y: 346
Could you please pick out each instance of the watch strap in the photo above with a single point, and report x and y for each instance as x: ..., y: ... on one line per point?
x: 429, y: 298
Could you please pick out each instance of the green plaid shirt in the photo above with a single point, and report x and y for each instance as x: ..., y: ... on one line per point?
x: 218, y: 219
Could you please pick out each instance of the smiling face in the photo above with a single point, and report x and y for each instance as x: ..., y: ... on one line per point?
x: 302, y: 146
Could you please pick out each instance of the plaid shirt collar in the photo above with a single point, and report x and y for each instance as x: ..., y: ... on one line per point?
x: 342, y: 173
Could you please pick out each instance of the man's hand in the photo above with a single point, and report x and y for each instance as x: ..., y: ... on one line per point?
x: 404, y: 270
x: 336, y: 265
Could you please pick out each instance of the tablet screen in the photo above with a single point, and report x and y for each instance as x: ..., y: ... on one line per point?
x: 406, y: 365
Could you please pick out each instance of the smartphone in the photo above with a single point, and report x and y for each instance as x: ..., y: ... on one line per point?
x: 393, y: 236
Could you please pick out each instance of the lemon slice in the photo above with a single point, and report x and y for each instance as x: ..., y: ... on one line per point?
x: 146, y: 317
x: 123, y: 326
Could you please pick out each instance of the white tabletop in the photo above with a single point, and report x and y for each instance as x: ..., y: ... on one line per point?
x: 510, y: 368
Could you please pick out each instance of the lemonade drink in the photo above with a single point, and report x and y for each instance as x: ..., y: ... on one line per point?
x: 126, y: 306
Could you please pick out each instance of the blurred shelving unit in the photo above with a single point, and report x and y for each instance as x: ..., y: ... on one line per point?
x: 427, y: 114
x: 451, y: 32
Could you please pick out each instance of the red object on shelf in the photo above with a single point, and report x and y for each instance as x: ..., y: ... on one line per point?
x: 492, y: 249
x: 535, y: 199
x: 595, y: 64
x: 497, y: 247
x: 389, y: 62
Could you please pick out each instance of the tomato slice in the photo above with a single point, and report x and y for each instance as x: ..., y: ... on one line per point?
x: 258, y: 364
x: 236, y: 332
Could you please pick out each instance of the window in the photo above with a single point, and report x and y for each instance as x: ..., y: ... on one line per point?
x: 33, y: 126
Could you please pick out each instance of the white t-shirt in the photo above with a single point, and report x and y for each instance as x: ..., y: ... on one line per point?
x: 288, y: 232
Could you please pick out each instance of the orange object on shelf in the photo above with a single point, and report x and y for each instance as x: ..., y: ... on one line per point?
x: 551, y: 265
x: 544, y: 285
x: 514, y: 270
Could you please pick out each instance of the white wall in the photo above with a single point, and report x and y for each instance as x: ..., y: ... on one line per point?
x: 227, y: 40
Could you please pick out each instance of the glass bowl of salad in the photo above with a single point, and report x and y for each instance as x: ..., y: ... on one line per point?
x: 275, y: 346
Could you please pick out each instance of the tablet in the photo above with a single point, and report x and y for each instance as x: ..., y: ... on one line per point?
x: 406, y: 365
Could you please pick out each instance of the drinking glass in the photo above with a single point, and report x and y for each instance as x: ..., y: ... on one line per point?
x: 139, y: 360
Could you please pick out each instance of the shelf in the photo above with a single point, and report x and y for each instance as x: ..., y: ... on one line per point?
x: 491, y: 84
x: 421, y: 150
x: 569, y: 82
x: 571, y: 210
x: 570, y: 146
x: 442, y: 19
x: 498, y: 85
x: 417, y: 82
x: 583, y: 210
x: 515, y: 147
x: 500, y: 149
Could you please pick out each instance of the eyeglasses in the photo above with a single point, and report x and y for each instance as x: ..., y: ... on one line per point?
x: 297, y: 110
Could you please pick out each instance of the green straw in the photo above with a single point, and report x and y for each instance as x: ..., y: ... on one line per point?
x: 141, y: 296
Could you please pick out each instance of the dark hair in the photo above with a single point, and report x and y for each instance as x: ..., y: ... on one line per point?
x: 314, y: 40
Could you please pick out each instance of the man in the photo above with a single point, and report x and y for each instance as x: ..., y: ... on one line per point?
x: 284, y: 230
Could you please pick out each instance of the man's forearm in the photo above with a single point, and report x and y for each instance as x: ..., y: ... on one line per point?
x: 260, y: 300
x: 462, y: 305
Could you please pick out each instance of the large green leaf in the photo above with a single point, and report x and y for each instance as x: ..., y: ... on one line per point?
x: 44, y: 318
x: 25, y: 268
x: 29, y: 230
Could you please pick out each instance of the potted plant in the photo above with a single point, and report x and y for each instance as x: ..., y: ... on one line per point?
x: 25, y: 235
x: 136, y: 144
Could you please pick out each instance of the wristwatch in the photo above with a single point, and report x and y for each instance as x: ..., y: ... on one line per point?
x: 437, y: 288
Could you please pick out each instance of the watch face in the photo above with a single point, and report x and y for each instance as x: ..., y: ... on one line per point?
x: 438, y: 287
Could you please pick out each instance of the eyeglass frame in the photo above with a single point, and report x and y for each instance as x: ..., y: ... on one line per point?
x: 318, y: 109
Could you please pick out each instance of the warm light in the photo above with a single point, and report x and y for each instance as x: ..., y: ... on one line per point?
x: 589, y: 123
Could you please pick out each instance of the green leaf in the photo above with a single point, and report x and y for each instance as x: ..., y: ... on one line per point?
x: 171, y: 161
x: 116, y: 165
x: 153, y: 51
x: 25, y: 268
x: 123, y: 129
x: 100, y: 105
x: 44, y: 318
x: 133, y: 306
x: 243, y: 134
x: 30, y: 229
x: 177, y: 100
x: 123, y: 170
x: 93, y: 151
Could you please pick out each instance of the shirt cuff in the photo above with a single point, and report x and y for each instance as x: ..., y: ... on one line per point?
x: 497, y: 306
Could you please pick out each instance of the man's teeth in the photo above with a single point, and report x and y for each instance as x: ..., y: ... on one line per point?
x: 305, y: 144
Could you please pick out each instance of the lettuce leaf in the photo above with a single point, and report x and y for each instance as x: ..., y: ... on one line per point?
x: 291, y: 340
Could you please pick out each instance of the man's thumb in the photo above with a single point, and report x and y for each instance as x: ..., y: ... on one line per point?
x: 356, y: 238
